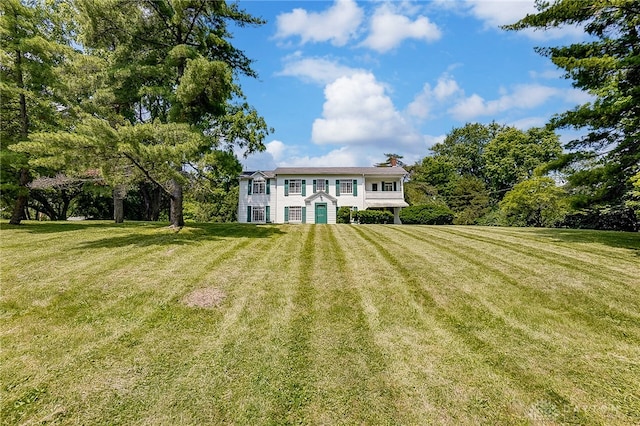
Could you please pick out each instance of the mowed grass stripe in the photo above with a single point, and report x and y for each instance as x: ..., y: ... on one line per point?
x: 592, y: 357
x: 229, y: 371
x: 511, y: 388
x: 352, y: 388
x: 297, y: 387
x: 610, y: 244
x: 581, y: 260
x: 609, y: 290
x: 216, y: 355
x: 140, y: 311
x: 603, y: 305
x: 486, y: 333
x: 428, y: 366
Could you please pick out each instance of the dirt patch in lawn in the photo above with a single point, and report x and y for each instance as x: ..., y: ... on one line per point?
x: 207, y: 298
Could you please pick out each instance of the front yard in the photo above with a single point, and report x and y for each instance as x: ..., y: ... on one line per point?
x: 327, y: 324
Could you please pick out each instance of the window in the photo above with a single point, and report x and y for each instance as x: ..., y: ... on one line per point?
x: 346, y: 186
x: 320, y: 185
x: 295, y: 214
x: 257, y: 214
x: 388, y: 186
x: 374, y: 186
x: 295, y: 186
x: 258, y: 187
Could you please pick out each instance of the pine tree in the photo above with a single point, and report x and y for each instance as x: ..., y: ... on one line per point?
x: 608, y: 67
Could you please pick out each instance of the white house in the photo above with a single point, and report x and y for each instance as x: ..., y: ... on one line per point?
x: 314, y: 194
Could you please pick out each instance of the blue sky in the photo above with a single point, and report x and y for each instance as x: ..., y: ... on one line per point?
x: 343, y: 82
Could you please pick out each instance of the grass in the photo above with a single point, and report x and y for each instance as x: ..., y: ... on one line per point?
x: 331, y: 324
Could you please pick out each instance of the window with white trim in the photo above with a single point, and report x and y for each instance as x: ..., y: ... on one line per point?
x: 295, y: 214
x: 295, y: 186
x: 346, y: 186
x: 388, y: 186
x: 259, y: 187
x: 257, y: 214
x: 320, y: 185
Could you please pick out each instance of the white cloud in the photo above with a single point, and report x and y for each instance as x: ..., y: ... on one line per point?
x: 389, y: 28
x: 276, y: 149
x: 358, y: 111
x: 355, y: 156
x: 346, y: 156
x: 318, y: 70
x: 526, y: 96
x: 429, y: 98
x: 495, y: 13
x: 336, y: 24
x: 577, y: 96
x: 257, y: 161
x: 529, y: 122
x: 546, y: 75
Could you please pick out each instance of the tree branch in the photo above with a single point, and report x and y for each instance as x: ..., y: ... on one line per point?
x: 148, y: 175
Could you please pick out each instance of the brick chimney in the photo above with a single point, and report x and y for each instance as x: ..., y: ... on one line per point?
x: 394, y: 161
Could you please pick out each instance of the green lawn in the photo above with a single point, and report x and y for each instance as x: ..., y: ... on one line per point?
x: 326, y: 324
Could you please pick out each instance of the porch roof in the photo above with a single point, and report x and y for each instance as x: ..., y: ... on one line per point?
x: 386, y: 203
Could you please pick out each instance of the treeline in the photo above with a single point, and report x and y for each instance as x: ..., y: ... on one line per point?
x: 499, y: 175
x: 123, y: 109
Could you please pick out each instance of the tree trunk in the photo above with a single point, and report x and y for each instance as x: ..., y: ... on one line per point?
x: 119, y: 193
x: 23, y: 196
x: 152, y: 197
x: 175, y: 211
x: 44, y: 206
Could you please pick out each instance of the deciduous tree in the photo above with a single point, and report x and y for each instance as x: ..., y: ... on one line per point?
x: 534, y: 202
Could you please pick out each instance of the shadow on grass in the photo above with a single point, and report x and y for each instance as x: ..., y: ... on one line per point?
x: 146, y: 233
x: 48, y: 227
x: 625, y: 240
x: 190, y: 234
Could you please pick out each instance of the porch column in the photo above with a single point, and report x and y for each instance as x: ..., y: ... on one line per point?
x: 396, y: 216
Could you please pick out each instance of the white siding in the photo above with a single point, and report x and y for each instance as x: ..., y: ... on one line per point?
x: 277, y: 201
x: 259, y: 200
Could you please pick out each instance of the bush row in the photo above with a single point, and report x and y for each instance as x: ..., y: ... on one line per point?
x: 373, y: 216
x: 614, y: 218
x: 427, y: 214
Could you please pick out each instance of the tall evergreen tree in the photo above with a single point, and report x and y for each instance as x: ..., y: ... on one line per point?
x: 608, y: 67
x: 32, y: 51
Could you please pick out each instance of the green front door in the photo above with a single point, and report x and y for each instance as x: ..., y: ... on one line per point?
x: 321, y: 212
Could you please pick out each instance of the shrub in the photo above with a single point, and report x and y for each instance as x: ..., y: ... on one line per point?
x: 534, y: 202
x: 493, y: 217
x: 610, y: 218
x: 373, y: 216
x: 344, y: 215
x: 427, y: 214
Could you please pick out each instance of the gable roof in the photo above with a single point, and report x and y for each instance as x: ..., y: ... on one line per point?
x: 252, y: 174
x: 320, y: 194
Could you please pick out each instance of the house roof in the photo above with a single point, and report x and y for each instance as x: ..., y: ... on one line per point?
x: 318, y: 171
x: 378, y: 171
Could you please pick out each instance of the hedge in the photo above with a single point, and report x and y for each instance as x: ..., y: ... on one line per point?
x: 373, y: 216
x: 427, y: 214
